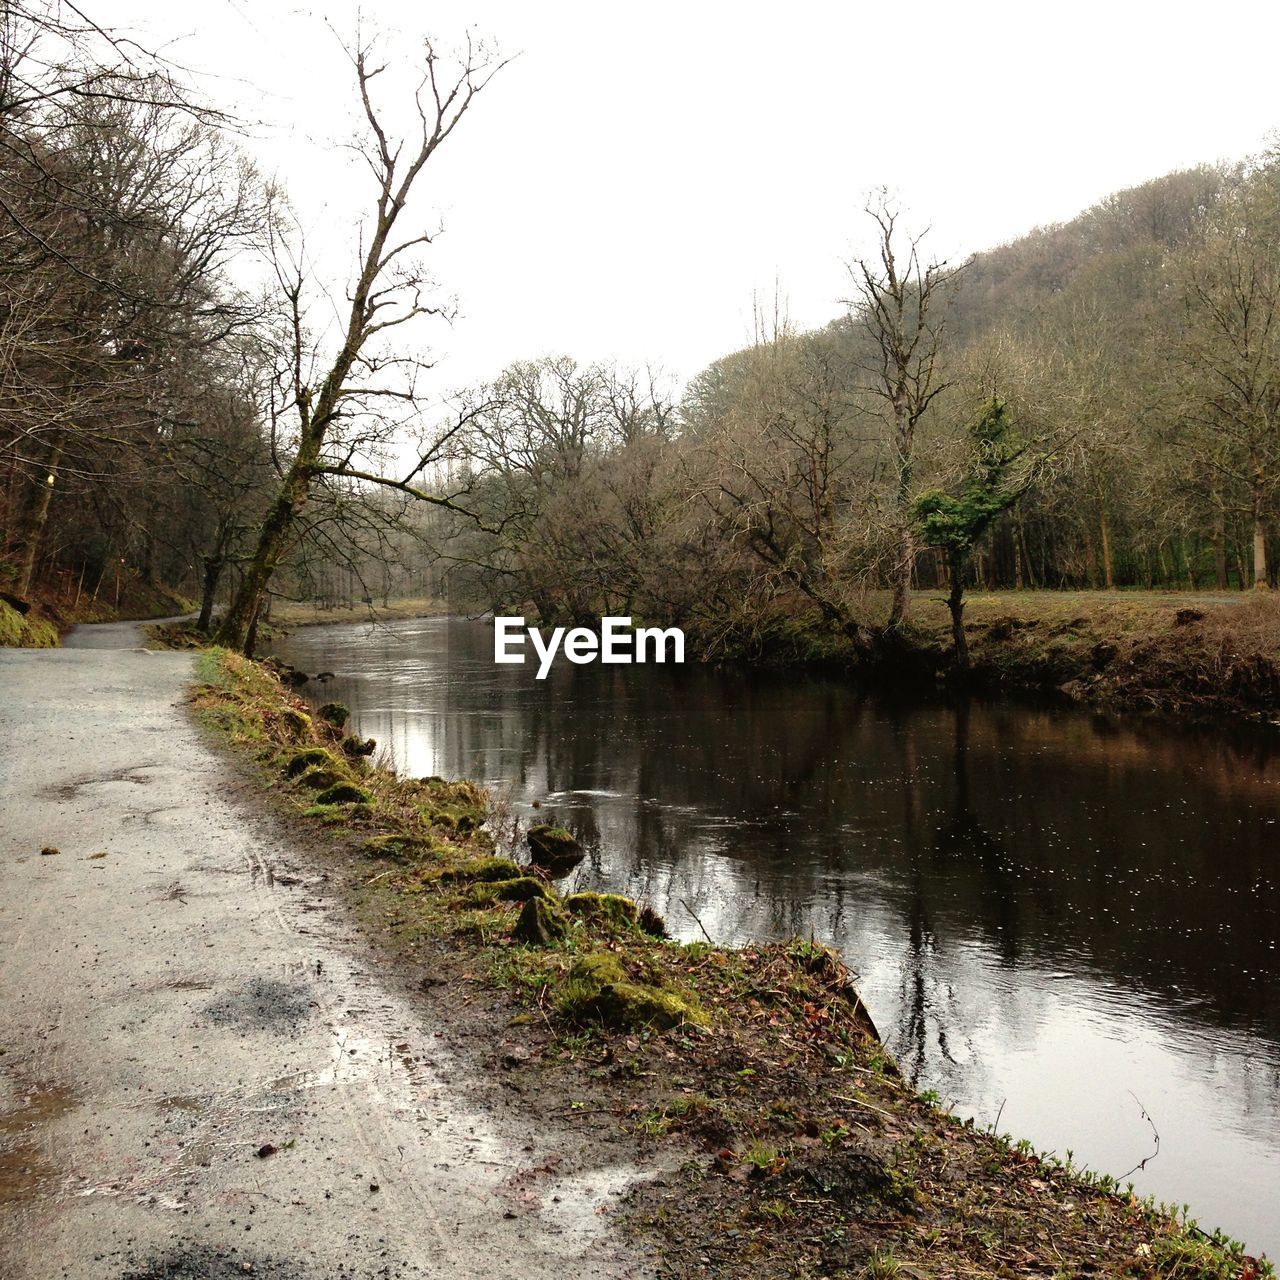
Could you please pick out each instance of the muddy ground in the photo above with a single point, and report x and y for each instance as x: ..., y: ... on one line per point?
x: 205, y: 1071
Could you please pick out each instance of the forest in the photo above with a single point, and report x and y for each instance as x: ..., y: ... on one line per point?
x: 1095, y: 405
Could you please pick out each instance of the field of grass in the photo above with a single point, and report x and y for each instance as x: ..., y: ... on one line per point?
x: 290, y: 613
x: 1196, y: 656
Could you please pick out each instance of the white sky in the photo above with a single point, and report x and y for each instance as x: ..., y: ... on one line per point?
x: 623, y: 188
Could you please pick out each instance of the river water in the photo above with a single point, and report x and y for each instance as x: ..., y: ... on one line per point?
x: 1063, y: 926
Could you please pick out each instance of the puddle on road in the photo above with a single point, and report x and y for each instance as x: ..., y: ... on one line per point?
x: 25, y: 1169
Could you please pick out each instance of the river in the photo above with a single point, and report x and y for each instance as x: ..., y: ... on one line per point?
x: 1064, y: 926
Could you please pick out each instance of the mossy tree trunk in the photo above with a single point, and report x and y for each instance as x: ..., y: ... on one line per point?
x: 37, y: 517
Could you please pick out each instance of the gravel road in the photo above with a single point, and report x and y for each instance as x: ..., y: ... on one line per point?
x: 201, y: 1073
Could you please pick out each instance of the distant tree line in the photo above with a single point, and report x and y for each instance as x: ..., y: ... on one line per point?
x: 1095, y: 405
x: 1133, y: 355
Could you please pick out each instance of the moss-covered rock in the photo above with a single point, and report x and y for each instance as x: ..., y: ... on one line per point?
x: 554, y: 849
x: 357, y: 747
x: 311, y: 758
x: 397, y: 847
x: 296, y: 723
x: 463, y: 821
x: 635, y: 1004
x: 322, y: 778
x: 597, y: 968
x: 488, y: 870
x: 519, y: 889
x: 10, y: 626
x: 25, y: 630
x: 345, y: 792
x: 610, y: 909
x: 600, y: 990
x: 541, y: 924
x: 335, y: 713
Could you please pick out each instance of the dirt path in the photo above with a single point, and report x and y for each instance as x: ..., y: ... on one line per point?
x: 200, y: 1075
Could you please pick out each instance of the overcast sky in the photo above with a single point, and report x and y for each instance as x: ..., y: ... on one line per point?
x: 624, y: 187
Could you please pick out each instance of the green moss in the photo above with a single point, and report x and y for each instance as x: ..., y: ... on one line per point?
x: 298, y: 723
x: 483, y: 869
x: 38, y: 634
x: 399, y: 847
x: 343, y: 793
x: 604, y: 908
x: 18, y: 631
x: 330, y: 814
x: 541, y: 923
x: 519, y: 889
x: 335, y: 713
x: 597, y: 968
x: 462, y: 821
x: 10, y: 626
x: 461, y: 794
x: 553, y: 847
x: 312, y: 757
x: 322, y: 778
x: 599, y: 990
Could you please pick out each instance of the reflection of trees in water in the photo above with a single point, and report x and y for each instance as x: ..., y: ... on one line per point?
x: 927, y: 998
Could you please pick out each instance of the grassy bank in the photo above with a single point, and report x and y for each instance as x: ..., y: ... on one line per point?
x: 1202, y: 657
x: 40, y: 621
x: 289, y: 613
x: 29, y: 630
x: 799, y: 1149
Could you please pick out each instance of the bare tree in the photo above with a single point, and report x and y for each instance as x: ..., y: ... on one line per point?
x: 336, y: 401
x: 1230, y: 360
x: 899, y: 301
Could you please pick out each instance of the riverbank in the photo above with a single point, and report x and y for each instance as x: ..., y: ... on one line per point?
x: 793, y: 1130
x: 1196, y: 657
x: 297, y: 613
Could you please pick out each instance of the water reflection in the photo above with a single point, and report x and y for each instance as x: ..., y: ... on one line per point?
x: 1049, y: 913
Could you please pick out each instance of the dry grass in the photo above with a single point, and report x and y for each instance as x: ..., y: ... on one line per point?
x: 290, y: 613
x: 1199, y: 656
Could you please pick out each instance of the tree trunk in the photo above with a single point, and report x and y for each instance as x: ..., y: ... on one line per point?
x: 1259, y: 544
x: 1220, y: 547
x: 233, y: 632
x: 904, y: 561
x: 214, y: 563
x: 955, y: 603
x: 33, y: 529
x: 1108, y: 571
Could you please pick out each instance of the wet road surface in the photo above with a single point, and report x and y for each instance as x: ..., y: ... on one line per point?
x: 201, y: 1075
